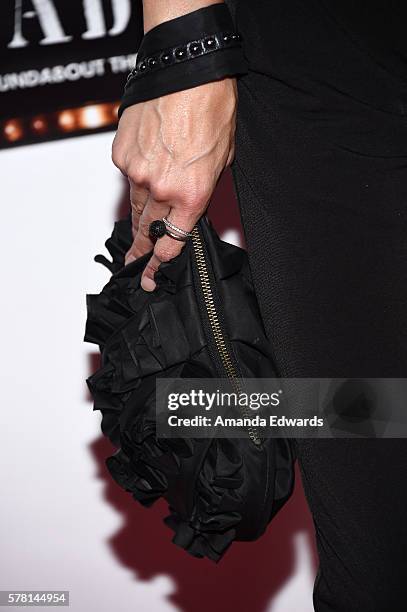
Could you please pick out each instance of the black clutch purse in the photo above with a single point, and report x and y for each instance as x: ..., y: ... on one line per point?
x: 202, y: 320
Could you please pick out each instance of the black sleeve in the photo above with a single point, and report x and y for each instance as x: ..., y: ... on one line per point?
x: 171, y: 36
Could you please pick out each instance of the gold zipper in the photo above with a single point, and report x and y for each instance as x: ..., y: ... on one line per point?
x: 216, y: 327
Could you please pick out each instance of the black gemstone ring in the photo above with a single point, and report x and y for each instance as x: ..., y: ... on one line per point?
x: 164, y: 227
x: 157, y: 229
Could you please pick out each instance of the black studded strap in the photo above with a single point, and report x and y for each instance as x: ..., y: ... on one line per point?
x: 191, y: 50
x: 181, y: 53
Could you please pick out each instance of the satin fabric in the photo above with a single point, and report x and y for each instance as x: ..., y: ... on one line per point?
x: 218, y: 490
x: 197, y: 71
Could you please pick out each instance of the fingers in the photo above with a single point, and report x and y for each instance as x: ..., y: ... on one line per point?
x: 139, y: 196
x: 173, y: 150
x: 166, y: 248
x: 142, y: 242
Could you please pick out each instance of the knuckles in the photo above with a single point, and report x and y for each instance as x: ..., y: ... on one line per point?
x: 190, y: 198
x: 138, y: 172
x: 118, y: 153
x: 192, y: 193
x: 118, y: 159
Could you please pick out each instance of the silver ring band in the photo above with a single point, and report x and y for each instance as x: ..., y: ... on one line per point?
x: 176, y: 236
x: 171, y: 225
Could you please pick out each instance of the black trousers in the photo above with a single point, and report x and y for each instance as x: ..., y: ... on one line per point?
x: 321, y: 177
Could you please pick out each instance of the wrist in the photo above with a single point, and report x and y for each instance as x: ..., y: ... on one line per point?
x: 187, y: 51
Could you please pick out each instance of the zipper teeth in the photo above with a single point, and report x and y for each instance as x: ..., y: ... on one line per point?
x: 216, y: 327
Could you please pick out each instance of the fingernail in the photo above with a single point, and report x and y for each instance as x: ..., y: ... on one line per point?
x: 129, y: 259
x: 148, y: 284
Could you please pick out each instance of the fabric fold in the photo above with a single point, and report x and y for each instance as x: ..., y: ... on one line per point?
x: 143, y: 336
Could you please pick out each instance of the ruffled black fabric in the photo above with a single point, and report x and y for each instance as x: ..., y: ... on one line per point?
x: 218, y: 490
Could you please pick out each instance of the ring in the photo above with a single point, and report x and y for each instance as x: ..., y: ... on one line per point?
x: 157, y: 228
x: 172, y: 234
x: 170, y: 225
x: 162, y: 227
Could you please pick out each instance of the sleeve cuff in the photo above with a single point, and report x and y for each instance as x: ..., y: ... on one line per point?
x: 178, y: 77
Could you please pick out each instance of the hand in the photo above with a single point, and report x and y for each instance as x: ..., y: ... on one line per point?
x: 173, y: 150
